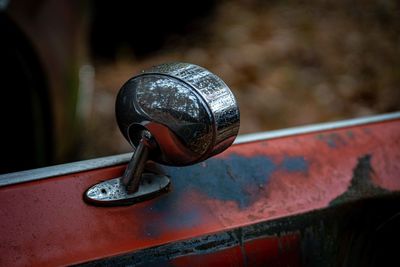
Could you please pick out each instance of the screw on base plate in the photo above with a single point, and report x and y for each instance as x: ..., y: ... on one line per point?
x: 176, y: 114
x: 113, y: 192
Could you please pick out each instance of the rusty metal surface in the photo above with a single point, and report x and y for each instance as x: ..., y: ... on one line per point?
x: 102, y: 162
x: 253, y: 184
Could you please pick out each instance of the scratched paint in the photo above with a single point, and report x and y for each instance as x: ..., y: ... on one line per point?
x: 209, y: 246
x: 327, y: 239
x: 295, y: 164
x: 235, y: 178
x: 350, y: 134
x: 333, y: 140
x: 361, y: 185
x: 334, y: 236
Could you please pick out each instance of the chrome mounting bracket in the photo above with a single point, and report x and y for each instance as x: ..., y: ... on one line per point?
x: 175, y: 114
x: 113, y: 192
x: 134, y: 185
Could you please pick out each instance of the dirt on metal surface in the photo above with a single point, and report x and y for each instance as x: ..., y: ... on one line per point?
x: 248, y: 184
x: 362, y: 184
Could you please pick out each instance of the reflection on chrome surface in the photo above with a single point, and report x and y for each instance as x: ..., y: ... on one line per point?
x: 173, y: 103
x: 190, y: 112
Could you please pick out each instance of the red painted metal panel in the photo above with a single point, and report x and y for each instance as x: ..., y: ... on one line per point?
x: 278, y: 251
x: 47, y: 222
x: 228, y: 257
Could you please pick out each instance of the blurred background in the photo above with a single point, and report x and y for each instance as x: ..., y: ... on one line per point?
x: 288, y: 63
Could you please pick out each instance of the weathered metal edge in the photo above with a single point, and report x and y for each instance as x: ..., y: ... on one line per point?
x: 62, y: 169
x: 320, y: 234
x: 326, y: 126
x: 86, y: 165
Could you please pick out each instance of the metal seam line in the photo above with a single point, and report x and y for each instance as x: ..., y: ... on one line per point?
x: 86, y: 165
x: 326, y: 126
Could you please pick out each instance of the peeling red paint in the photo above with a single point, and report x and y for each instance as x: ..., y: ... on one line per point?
x: 47, y: 223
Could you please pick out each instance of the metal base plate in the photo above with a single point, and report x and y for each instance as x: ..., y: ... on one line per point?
x: 113, y: 193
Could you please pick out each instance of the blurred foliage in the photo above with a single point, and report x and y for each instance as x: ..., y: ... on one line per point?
x: 288, y: 63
